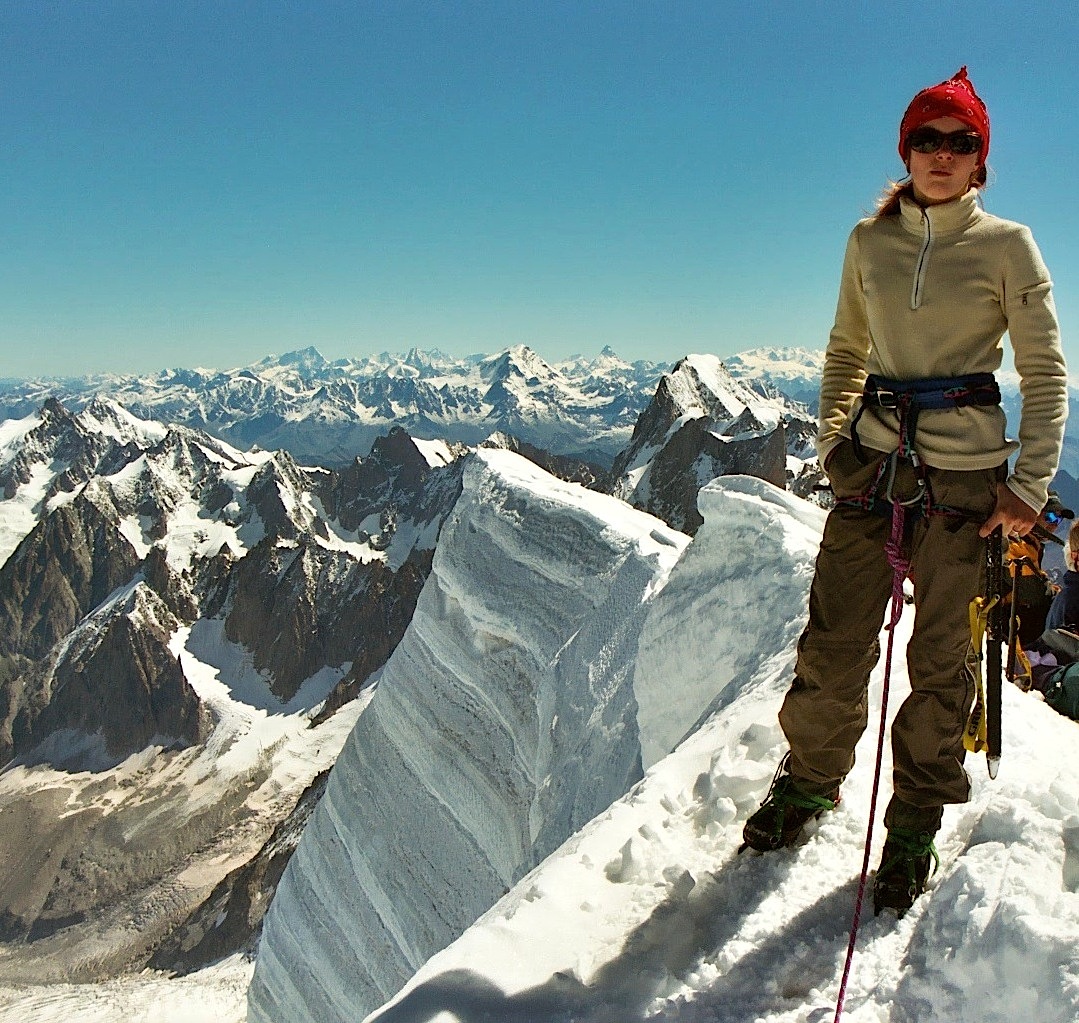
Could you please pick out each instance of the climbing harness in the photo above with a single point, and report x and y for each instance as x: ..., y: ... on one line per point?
x: 910, y: 397
x: 907, y: 399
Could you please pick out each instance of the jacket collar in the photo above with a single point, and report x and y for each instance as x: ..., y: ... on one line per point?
x: 944, y: 218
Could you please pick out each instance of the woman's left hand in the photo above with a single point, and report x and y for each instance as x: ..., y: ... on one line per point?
x: 1012, y: 514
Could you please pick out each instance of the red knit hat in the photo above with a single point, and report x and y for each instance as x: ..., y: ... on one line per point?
x: 953, y: 98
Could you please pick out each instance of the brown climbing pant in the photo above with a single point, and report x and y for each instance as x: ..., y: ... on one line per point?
x: 825, y: 711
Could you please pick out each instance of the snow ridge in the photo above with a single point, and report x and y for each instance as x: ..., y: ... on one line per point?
x: 504, y: 721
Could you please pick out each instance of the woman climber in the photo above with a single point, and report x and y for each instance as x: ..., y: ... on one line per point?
x: 912, y: 438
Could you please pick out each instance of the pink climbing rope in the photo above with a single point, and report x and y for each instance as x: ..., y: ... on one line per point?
x: 901, y: 566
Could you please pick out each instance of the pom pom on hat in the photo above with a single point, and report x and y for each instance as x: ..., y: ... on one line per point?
x: 953, y: 98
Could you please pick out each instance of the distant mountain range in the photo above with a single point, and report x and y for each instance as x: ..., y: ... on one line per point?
x: 327, y: 413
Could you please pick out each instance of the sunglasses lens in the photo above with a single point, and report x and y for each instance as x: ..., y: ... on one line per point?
x: 929, y: 140
x: 964, y: 143
x: 1052, y: 518
x: 925, y: 140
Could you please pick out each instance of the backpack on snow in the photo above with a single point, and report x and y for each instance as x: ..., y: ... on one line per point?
x: 1061, y: 690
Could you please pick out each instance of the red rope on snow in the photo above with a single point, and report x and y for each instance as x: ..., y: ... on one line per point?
x: 901, y: 566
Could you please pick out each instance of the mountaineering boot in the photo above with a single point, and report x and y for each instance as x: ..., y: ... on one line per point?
x: 785, y: 811
x: 904, y: 869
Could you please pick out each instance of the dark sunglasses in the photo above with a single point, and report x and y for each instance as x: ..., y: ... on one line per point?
x: 929, y: 140
x: 1052, y: 517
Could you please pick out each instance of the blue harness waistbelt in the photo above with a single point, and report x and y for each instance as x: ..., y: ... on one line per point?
x: 907, y: 398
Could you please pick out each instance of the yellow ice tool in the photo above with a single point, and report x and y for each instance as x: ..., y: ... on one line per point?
x: 975, y: 737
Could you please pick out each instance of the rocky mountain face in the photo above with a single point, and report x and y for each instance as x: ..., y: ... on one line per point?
x: 327, y: 413
x: 116, y: 681
x: 302, y: 567
x: 168, y: 600
x: 703, y: 423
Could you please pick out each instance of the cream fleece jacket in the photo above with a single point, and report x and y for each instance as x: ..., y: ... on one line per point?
x: 930, y: 293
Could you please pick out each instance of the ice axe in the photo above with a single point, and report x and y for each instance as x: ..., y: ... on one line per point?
x: 996, y: 639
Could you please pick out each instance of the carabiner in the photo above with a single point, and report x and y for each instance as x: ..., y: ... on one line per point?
x: 889, y: 496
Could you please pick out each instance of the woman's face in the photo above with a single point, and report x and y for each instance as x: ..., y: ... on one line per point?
x: 942, y: 176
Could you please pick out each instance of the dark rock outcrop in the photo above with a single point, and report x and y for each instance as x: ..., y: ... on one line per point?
x: 693, y: 455
x: 71, y: 561
x: 119, y: 681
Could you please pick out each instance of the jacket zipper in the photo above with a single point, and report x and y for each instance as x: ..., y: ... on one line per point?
x: 923, y: 263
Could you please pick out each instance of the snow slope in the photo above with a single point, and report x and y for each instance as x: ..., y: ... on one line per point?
x: 503, y: 722
x: 651, y: 914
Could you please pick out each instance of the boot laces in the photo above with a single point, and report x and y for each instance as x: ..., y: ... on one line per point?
x: 784, y: 794
x: 909, y: 848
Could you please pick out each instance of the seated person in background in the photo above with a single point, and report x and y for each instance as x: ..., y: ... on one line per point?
x: 1064, y: 611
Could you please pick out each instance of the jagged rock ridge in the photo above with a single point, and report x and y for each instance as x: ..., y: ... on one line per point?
x: 703, y: 423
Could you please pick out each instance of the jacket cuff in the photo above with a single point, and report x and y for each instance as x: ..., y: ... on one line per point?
x: 1034, y: 496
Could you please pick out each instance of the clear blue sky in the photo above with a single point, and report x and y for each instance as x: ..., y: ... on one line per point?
x: 204, y: 183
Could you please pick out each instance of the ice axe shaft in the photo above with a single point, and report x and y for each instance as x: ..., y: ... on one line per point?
x: 996, y: 637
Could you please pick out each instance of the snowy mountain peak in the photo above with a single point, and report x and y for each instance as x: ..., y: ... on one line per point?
x: 796, y: 372
x: 108, y: 417
x: 773, y: 358
x: 309, y: 359
x: 518, y: 361
x: 701, y: 385
x: 703, y: 423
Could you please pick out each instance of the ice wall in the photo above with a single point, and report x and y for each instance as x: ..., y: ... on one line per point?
x: 504, y: 721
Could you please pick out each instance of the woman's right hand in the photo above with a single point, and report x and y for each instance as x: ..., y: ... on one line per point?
x: 1014, y: 516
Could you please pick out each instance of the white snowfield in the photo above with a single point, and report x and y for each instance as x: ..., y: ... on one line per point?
x: 647, y: 912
